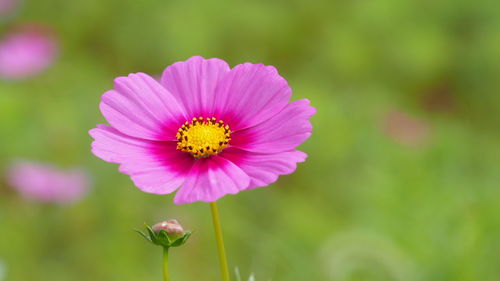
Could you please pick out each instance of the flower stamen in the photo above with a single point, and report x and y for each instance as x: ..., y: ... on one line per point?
x: 203, y: 137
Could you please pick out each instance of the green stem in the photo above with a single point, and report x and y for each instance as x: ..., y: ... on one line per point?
x: 220, y: 242
x: 165, y: 264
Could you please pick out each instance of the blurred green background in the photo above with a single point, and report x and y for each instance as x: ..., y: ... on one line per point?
x: 402, y: 179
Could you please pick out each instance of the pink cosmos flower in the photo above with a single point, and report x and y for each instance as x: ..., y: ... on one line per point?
x: 406, y: 129
x: 7, y: 7
x: 206, y: 128
x: 26, y: 52
x: 45, y: 183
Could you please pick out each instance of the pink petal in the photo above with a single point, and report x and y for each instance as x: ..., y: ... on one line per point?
x: 210, y: 179
x: 264, y: 169
x: 283, y: 132
x: 140, y: 107
x: 193, y: 83
x: 155, y: 167
x: 250, y: 94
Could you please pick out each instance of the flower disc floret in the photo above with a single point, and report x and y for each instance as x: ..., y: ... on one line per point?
x: 203, y: 137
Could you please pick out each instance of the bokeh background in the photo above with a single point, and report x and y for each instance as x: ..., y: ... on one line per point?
x: 402, y: 180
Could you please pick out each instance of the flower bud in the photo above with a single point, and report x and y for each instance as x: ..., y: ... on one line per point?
x: 167, y: 234
x: 172, y: 227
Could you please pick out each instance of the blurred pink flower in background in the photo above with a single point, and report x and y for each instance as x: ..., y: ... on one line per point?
x: 26, y: 51
x: 7, y: 7
x: 205, y: 128
x: 46, y: 183
x: 405, y: 129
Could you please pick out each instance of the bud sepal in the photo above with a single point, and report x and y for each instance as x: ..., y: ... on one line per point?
x: 163, y: 238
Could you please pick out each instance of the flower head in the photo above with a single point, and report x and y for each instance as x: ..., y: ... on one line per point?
x: 172, y: 227
x: 206, y: 128
x: 405, y: 129
x: 26, y: 52
x: 7, y: 7
x: 45, y: 183
x: 167, y: 234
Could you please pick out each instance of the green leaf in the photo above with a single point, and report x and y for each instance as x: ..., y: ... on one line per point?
x: 152, y: 234
x: 186, y: 236
x: 237, y: 273
x: 163, y: 238
x: 143, y: 235
x: 181, y: 240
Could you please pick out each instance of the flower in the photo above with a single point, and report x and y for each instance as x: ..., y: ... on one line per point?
x: 172, y: 227
x: 405, y: 129
x: 167, y: 234
x: 7, y: 7
x: 205, y: 128
x: 26, y: 52
x: 45, y: 183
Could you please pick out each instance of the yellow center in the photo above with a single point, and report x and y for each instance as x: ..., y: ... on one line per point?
x: 203, y: 137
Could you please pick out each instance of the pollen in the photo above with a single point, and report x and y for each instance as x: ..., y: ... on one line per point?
x: 203, y: 137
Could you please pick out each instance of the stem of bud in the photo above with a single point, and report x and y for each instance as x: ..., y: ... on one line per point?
x: 165, y: 264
